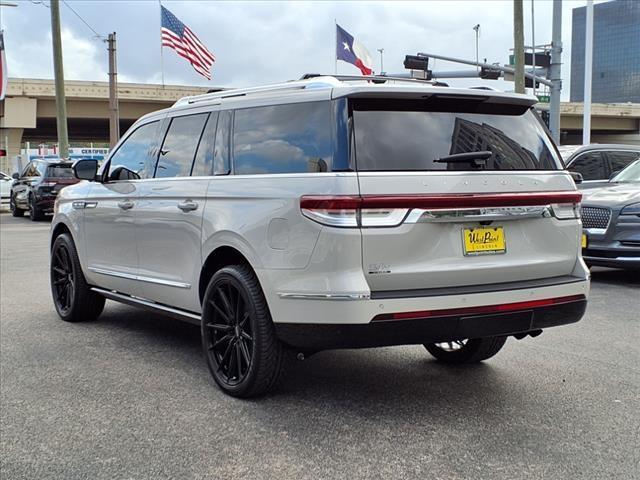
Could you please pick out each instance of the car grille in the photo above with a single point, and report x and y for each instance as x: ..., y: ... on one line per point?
x: 593, y: 217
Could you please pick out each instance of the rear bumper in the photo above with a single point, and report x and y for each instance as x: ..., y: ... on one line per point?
x: 429, y: 330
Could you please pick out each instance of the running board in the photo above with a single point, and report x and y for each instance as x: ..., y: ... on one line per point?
x: 149, y: 305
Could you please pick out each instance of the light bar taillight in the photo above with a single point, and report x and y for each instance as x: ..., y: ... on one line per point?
x: 391, y: 210
x: 480, y: 310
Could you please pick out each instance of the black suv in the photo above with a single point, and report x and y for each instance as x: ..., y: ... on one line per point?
x: 36, y: 187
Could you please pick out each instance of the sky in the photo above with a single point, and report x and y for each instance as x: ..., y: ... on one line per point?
x: 266, y: 42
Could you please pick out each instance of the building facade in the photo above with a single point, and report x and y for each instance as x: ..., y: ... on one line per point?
x: 616, y: 52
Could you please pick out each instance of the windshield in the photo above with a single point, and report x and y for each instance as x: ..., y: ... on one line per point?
x: 59, y: 171
x: 630, y: 174
x: 403, y: 136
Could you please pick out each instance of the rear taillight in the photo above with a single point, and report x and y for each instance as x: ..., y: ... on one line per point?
x: 48, y: 184
x: 391, y: 210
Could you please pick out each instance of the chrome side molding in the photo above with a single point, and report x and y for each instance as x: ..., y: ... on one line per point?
x: 324, y: 296
x: 148, y: 304
x: 482, y: 214
x: 140, y: 278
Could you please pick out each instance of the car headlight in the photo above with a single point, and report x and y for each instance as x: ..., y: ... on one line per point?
x: 633, y: 209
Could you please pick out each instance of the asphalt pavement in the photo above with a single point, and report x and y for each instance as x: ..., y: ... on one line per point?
x: 129, y: 397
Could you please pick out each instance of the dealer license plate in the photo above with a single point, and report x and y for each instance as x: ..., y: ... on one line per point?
x: 483, y: 240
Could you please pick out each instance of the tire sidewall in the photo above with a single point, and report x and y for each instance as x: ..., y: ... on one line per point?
x: 68, y: 244
x: 231, y: 274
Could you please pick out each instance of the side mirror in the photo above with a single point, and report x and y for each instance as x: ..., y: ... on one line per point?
x: 15, y: 176
x: 613, y: 174
x: 85, y: 169
x: 577, y: 177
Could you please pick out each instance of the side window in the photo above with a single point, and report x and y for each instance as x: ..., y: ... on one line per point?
x: 590, y: 165
x: 179, y: 147
x: 40, y: 169
x: 27, y: 172
x: 203, y: 164
x: 619, y: 160
x: 129, y: 161
x: 222, y: 151
x: 292, y: 138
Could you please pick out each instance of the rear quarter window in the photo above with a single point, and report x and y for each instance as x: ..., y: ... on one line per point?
x: 292, y: 138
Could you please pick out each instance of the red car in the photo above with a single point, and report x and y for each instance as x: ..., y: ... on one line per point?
x: 36, y: 187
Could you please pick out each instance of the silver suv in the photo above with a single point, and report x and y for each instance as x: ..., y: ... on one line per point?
x: 328, y: 213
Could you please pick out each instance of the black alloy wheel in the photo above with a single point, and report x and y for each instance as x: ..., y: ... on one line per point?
x: 15, y: 211
x: 62, y: 279
x: 238, y: 338
x: 72, y: 296
x: 230, y: 333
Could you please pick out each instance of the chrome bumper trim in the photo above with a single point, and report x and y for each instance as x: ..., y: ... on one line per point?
x: 324, y: 296
x: 484, y: 214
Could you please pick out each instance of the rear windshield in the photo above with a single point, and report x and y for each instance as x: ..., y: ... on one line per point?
x: 407, y: 135
x: 59, y: 171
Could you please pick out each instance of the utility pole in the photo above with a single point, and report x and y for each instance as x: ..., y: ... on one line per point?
x: 588, y: 62
x: 518, y: 45
x: 61, y: 102
x: 554, y: 71
x: 114, y: 114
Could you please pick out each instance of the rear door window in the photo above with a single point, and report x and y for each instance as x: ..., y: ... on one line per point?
x: 591, y: 165
x: 619, y: 159
x: 292, y: 138
x: 59, y: 171
x: 176, y: 156
x: 410, y: 135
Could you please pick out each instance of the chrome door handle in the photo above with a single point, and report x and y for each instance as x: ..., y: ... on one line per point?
x: 126, y: 205
x: 188, y: 206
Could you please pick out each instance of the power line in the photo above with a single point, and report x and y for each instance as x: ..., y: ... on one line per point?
x: 82, y: 20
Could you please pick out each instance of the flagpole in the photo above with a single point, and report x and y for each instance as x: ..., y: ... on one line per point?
x: 335, y: 44
x: 161, y: 56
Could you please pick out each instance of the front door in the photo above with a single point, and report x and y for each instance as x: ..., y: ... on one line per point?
x: 110, y: 212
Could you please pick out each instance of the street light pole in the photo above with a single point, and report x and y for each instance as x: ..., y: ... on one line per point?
x: 518, y: 45
x: 554, y: 71
x: 381, y: 50
x: 588, y: 62
x: 477, y: 29
x: 61, y: 103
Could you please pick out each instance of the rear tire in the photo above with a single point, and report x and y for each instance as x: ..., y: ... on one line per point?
x: 243, y: 354
x: 15, y: 211
x: 466, y: 351
x: 73, y: 298
x: 35, y: 214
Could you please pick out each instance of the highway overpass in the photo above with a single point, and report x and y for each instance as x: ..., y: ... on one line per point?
x: 28, y: 114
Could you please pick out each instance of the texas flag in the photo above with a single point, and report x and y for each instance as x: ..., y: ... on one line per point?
x: 352, y: 51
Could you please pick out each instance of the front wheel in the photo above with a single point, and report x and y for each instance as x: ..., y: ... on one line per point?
x: 73, y: 298
x: 466, y: 351
x: 238, y: 338
x: 15, y: 211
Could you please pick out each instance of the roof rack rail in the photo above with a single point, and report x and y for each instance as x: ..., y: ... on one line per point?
x: 374, y: 78
x: 307, y: 81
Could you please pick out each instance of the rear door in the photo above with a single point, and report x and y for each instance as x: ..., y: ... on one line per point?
x: 169, y: 221
x: 432, y: 218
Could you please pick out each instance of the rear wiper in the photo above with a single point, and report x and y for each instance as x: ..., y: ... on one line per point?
x: 477, y: 159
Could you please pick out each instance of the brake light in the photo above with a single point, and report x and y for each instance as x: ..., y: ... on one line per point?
x: 391, y: 210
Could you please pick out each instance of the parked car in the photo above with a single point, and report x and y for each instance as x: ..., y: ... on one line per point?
x: 597, y: 163
x: 328, y: 213
x: 611, y: 221
x: 37, y: 186
x: 5, y: 188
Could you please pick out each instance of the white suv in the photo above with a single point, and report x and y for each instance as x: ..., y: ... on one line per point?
x: 328, y: 213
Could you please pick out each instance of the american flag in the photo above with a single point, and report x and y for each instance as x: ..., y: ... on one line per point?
x: 178, y: 36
